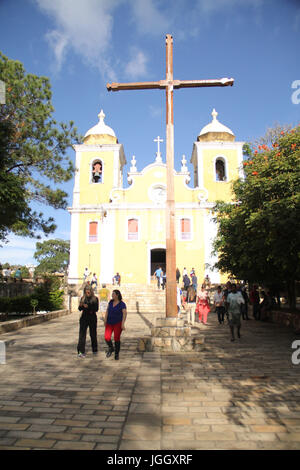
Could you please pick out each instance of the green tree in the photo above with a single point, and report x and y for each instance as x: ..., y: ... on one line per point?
x: 33, y: 150
x: 259, y: 233
x: 52, y: 256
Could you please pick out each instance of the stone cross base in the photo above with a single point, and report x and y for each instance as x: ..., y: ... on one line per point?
x: 171, y: 334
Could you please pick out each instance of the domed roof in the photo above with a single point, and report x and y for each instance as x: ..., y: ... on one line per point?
x: 215, y: 130
x: 100, y: 131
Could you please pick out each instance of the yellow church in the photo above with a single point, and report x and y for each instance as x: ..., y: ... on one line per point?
x: 117, y: 229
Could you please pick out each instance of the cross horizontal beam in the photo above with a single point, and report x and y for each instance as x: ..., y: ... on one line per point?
x: 165, y: 83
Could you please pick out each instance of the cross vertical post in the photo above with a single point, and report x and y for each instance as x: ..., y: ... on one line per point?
x: 171, y: 288
x: 169, y: 84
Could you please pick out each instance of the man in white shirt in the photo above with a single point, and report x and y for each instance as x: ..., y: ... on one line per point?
x: 233, y: 302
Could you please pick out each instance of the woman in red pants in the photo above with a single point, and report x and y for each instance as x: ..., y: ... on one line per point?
x: 203, y: 307
x: 114, y: 322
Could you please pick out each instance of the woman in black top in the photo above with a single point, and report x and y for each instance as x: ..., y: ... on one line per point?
x: 89, y: 305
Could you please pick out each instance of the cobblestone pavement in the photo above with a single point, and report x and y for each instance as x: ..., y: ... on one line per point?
x: 241, y: 395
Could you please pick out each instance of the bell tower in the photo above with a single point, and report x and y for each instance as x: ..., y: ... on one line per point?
x: 217, y: 159
x: 99, y: 164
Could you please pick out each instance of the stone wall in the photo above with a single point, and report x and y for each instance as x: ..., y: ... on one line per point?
x: 16, y: 289
x: 280, y: 317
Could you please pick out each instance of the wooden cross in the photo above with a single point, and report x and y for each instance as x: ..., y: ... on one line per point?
x: 169, y: 84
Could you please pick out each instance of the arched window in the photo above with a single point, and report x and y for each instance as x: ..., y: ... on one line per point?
x: 220, y: 170
x: 93, y: 232
x: 97, y: 169
x: 185, y: 229
x: 133, y: 229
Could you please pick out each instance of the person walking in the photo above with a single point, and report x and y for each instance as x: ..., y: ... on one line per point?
x: 94, y: 282
x: 244, y: 306
x: 114, y: 322
x: 191, y: 299
x: 86, y: 274
x: 255, y: 300
x: 226, y: 292
x: 202, y: 307
x: 194, y: 281
x: 89, y: 305
x: 219, y: 304
x: 103, y: 297
x: 186, y: 282
x: 234, y: 301
x: 158, y: 275
x: 178, y: 275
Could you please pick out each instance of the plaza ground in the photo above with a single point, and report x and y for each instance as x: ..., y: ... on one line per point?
x: 241, y: 395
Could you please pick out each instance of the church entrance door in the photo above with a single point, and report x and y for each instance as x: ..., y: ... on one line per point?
x: 158, y: 258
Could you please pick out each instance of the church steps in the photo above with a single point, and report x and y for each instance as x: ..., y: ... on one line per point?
x: 138, y: 297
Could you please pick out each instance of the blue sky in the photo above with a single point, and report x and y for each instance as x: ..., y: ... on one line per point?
x: 83, y: 44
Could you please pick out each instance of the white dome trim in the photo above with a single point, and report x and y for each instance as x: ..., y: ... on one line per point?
x: 100, y: 128
x: 215, y: 126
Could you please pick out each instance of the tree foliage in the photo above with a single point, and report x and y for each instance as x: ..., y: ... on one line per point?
x: 33, y: 150
x: 259, y: 233
x: 52, y: 256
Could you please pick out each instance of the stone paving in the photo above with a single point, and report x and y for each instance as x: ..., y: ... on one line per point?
x: 241, y: 395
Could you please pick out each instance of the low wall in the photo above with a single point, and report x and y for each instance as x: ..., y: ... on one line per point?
x: 280, y: 317
x: 16, y: 289
x: 31, y: 320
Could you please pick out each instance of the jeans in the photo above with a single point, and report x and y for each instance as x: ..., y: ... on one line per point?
x: 86, y: 321
x: 221, y: 313
x: 191, y: 307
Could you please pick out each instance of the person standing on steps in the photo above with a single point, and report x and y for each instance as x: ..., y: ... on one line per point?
x: 114, y: 322
x: 158, y: 275
x: 89, y: 305
x: 203, y: 305
x: 191, y: 299
x: 103, y: 297
x: 219, y: 304
x: 234, y: 301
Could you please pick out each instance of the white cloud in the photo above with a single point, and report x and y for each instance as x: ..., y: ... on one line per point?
x: 58, y: 43
x: 136, y: 67
x: 83, y: 26
x: 18, y: 250
x: 149, y: 18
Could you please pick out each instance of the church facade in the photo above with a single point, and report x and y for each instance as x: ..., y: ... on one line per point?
x: 117, y: 229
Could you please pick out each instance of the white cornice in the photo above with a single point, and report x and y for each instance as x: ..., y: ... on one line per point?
x: 219, y: 145
x: 95, y: 147
x: 134, y: 206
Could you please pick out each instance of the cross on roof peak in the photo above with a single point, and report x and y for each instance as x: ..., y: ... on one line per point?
x: 214, y: 114
x: 158, y: 153
x: 101, y: 115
